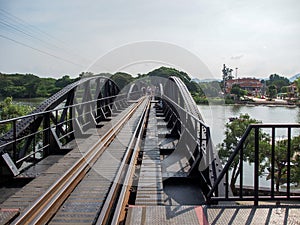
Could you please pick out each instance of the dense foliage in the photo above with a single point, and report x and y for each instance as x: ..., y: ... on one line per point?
x: 277, y: 81
x: 10, y: 110
x: 194, y: 88
x: 122, y: 79
x: 272, y: 91
x: 30, y: 86
x: 238, y: 91
x: 166, y: 72
x: 281, y: 161
x: 211, y: 89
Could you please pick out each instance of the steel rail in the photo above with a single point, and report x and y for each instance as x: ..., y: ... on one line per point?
x: 124, y: 195
x: 115, y: 200
x: 47, y: 204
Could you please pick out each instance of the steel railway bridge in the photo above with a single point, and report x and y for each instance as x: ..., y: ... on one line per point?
x: 93, y: 154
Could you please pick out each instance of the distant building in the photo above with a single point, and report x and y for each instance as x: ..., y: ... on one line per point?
x: 252, y: 85
x: 292, y: 90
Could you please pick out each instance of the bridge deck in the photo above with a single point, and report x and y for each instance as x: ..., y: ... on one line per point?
x: 44, y: 179
x: 85, y: 202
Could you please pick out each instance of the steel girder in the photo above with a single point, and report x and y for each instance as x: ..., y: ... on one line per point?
x: 82, y: 103
x: 194, y: 138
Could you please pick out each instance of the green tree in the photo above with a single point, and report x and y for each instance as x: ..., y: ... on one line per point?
x: 210, y: 89
x: 296, y: 160
x: 238, y: 91
x: 10, y: 110
x: 64, y: 81
x: 166, y: 72
x: 233, y: 133
x: 31, y: 83
x: 278, y: 81
x: 297, y: 82
x: 47, y: 87
x: 86, y: 74
x: 284, y: 89
x: 296, y: 170
x: 194, y: 87
x: 30, y: 86
x: 122, y: 79
x: 281, y: 160
x: 272, y: 91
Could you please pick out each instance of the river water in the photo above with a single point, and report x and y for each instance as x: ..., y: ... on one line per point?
x: 216, y: 116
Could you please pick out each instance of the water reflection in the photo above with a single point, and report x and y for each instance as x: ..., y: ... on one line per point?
x: 298, y: 116
x: 236, y: 109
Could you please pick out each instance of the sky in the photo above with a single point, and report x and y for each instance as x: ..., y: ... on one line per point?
x: 55, y: 38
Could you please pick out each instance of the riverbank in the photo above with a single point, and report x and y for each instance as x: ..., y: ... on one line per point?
x: 250, y: 102
x: 276, y: 102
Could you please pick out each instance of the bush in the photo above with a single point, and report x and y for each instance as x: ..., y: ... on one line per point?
x: 229, y: 100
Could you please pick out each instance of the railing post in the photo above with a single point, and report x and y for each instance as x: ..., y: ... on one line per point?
x: 210, y: 158
x: 272, y: 162
x: 34, y: 142
x: 15, y: 141
x: 288, y: 178
x: 241, y: 171
x: 46, y: 134
x: 256, y: 165
x: 226, y: 185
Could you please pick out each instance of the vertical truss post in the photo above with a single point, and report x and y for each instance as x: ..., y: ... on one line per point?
x: 256, y: 166
x: 46, y: 134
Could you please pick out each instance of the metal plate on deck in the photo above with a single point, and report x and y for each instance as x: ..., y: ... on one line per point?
x: 7, y: 215
x: 167, y: 215
x: 253, y: 215
x: 10, y: 164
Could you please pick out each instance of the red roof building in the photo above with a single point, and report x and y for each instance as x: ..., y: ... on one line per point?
x: 252, y: 85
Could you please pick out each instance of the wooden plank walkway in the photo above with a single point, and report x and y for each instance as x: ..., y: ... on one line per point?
x: 150, y: 185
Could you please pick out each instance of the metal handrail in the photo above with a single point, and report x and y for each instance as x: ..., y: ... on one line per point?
x: 13, y: 137
x: 188, y: 113
x: 239, y: 150
x: 56, y: 109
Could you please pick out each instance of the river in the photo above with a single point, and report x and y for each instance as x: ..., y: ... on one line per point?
x: 216, y: 116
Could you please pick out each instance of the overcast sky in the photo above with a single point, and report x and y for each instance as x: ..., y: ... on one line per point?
x: 53, y: 38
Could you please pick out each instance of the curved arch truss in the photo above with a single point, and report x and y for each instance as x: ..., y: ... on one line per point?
x: 193, y: 148
x: 52, y: 124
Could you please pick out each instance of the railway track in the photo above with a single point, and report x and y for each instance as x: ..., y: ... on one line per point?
x: 95, y: 190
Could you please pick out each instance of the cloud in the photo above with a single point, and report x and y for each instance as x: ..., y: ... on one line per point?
x: 237, y: 57
x: 217, y: 32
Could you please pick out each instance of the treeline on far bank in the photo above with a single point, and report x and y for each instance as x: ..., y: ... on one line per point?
x: 32, y: 86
